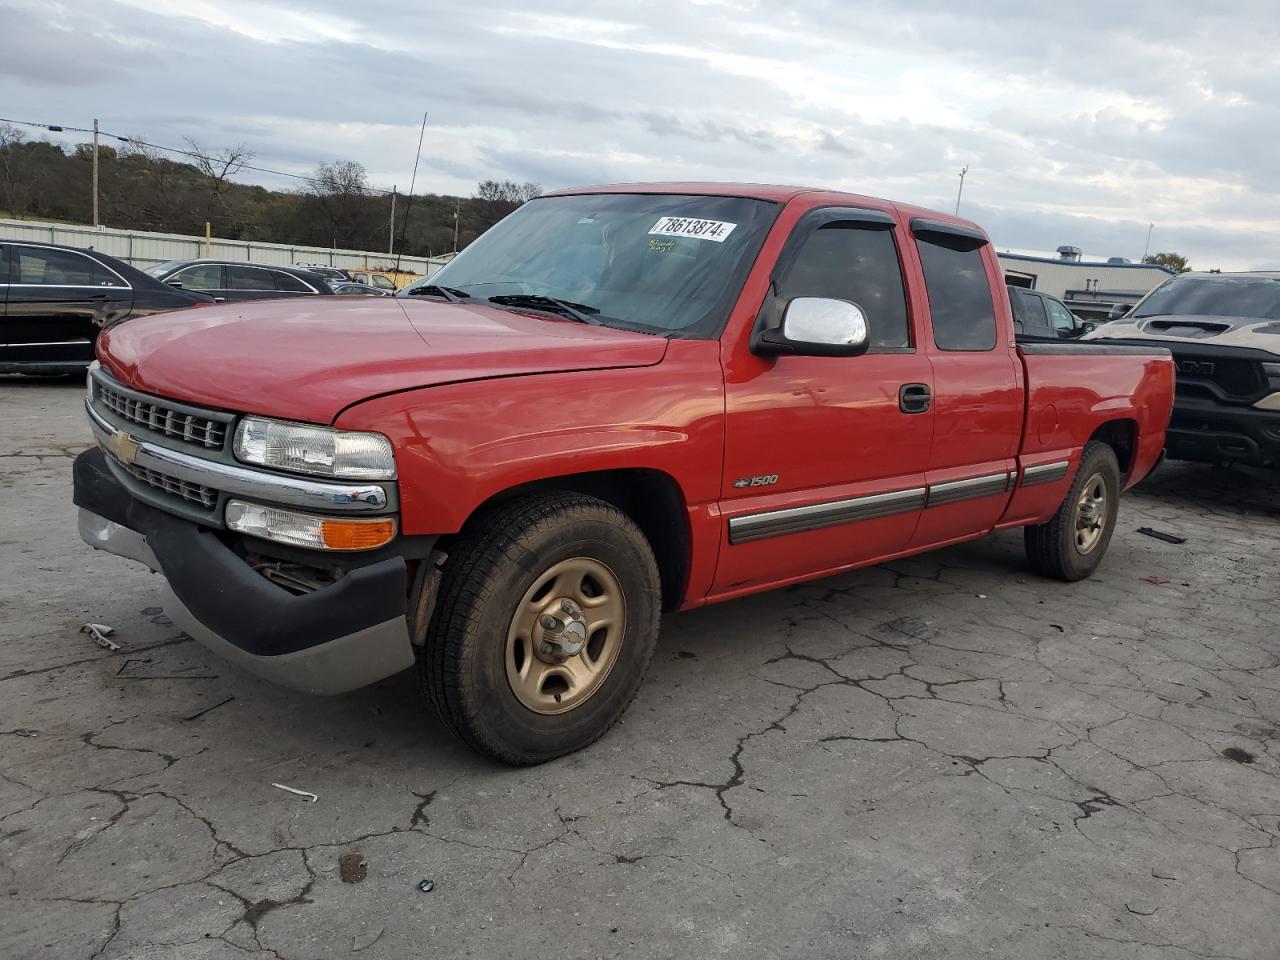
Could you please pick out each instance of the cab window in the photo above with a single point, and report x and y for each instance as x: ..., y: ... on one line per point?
x: 855, y: 261
x: 955, y: 279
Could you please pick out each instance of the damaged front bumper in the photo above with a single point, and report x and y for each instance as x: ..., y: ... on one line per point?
x: 335, y: 638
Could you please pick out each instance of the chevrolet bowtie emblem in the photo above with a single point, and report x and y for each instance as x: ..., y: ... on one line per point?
x: 123, y: 447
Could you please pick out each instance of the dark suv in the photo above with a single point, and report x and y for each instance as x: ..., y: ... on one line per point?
x: 229, y: 280
x: 54, y: 300
x: 1038, y: 316
x: 1224, y: 332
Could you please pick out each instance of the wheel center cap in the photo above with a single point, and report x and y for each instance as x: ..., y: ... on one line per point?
x: 563, y: 630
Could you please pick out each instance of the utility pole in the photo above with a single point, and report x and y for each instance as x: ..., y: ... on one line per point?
x: 1147, y: 246
x: 457, y: 206
x: 963, y: 171
x: 95, y: 173
x: 391, y: 230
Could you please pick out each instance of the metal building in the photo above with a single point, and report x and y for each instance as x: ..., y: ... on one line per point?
x: 1090, y: 288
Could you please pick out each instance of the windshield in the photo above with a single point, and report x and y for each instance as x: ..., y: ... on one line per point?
x: 659, y: 263
x: 1257, y: 297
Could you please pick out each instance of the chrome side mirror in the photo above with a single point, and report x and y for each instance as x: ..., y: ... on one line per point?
x: 1118, y: 311
x: 817, y: 327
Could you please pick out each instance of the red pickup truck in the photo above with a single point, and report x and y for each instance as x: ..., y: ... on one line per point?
x: 618, y: 401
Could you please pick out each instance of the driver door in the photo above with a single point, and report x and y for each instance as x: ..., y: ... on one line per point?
x: 825, y: 457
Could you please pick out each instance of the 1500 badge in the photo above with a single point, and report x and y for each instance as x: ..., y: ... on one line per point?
x: 766, y: 480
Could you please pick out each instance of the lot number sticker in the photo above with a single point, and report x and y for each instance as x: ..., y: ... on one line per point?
x: 716, y: 230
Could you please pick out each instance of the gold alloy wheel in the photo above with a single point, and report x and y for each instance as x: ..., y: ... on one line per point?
x: 565, y: 635
x: 1091, y: 513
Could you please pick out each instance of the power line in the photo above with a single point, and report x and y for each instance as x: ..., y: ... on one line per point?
x: 193, y: 154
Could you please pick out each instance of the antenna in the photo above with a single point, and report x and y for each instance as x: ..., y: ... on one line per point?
x: 963, y: 171
x: 404, y: 226
x: 1147, y: 246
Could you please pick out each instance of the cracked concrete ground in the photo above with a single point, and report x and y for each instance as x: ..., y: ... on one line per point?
x: 942, y: 757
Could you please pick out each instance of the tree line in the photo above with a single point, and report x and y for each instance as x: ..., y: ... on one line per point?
x: 142, y: 188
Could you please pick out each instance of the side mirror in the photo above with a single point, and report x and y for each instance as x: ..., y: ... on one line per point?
x: 174, y: 283
x: 1119, y: 311
x: 817, y: 327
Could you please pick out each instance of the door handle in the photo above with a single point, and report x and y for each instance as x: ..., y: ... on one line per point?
x: 914, y: 398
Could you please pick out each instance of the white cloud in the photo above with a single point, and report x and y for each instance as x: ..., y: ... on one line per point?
x: 1081, y: 123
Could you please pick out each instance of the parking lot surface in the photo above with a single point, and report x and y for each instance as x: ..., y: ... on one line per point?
x: 940, y: 757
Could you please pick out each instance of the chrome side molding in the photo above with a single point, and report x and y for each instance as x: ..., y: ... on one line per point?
x: 971, y: 489
x: 1045, y: 472
x: 757, y: 526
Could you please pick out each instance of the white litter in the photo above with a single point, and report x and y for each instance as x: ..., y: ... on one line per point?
x: 100, y: 632
x: 305, y: 794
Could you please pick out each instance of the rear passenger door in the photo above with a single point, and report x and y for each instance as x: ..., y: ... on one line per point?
x: 824, y: 459
x: 250, y: 283
x: 58, y: 300
x: 977, y: 385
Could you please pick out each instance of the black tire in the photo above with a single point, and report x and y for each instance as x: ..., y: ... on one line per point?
x: 493, y: 564
x: 1053, y: 548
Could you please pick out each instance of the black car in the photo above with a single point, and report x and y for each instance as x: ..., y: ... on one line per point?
x: 230, y: 280
x: 55, y: 299
x: 1038, y: 316
x: 354, y: 289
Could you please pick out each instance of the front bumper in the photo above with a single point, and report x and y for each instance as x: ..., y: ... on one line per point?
x: 336, y: 638
x: 1210, y: 432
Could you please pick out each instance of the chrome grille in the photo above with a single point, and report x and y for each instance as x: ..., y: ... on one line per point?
x: 193, y: 492
x: 163, y: 419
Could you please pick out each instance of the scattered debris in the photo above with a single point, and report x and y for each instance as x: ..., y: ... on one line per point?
x: 24, y: 732
x: 305, y: 794
x: 1161, y: 535
x: 1238, y: 755
x: 1059, y: 627
x: 686, y: 655
x: 366, y: 940
x: 100, y: 632
x: 426, y: 886
x: 352, y: 867
x: 1141, y: 909
x: 982, y: 596
x: 1155, y: 581
x: 200, y: 713
x: 1163, y: 876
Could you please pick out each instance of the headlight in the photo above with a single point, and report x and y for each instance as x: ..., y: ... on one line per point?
x: 303, y: 448
x: 307, y: 530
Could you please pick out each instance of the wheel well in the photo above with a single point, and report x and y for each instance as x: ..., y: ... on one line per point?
x: 649, y: 497
x: 1122, y: 437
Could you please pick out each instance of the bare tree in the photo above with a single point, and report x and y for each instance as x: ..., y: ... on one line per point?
x: 494, y: 199
x: 341, y: 189
x: 14, y: 198
x: 217, y: 170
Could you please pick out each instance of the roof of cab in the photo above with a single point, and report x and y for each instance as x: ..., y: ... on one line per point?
x: 777, y: 193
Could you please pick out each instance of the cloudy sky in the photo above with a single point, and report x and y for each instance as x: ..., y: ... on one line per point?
x: 1080, y: 121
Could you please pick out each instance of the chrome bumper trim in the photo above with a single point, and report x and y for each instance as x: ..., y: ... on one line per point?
x: 1045, y: 473
x: 252, y: 484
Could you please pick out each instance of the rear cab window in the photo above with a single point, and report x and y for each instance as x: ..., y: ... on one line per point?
x: 961, y: 310
x: 249, y: 278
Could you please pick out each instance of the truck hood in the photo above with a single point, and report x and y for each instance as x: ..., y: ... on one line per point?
x: 309, y: 358
x: 1197, y: 330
